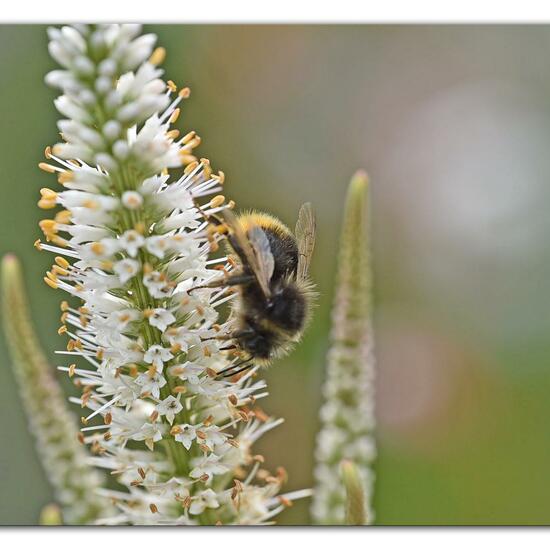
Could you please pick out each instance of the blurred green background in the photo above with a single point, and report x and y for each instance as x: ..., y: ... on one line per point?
x: 453, y: 125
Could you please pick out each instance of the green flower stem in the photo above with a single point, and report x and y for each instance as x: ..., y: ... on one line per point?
x: 124, y: 181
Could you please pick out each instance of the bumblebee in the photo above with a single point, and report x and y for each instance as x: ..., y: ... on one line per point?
x: 275, y: 294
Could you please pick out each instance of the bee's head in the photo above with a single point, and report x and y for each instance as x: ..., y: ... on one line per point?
x: 287, y: 308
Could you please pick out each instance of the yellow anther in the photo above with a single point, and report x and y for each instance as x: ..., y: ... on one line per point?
x: 48, y: 194
x: 62, y: 330
x: 218, y: 200
x: 173, y: 134
x: 208, y: 420
x: 186, y: 158
x: 175, y: 115
x: 59, y: 270
x: 37, y: 244
x: 185, y: 92
x: 64, y: 306
x: 47, y: 167
x: 65, y: 177
x: 48, y: 152
x: 62, y: 262
x: 190, y: 167
x: 188, y: 137
x: 59, y: 241
x: 46, y: 204
x: 192, y: 143
x: 48, y: 226
x: 63, y: 216
x: 50, y: 283
x: 172, y: 86
x: 158, y: 56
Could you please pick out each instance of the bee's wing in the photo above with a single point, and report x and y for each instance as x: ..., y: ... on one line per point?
x: 265, y: 261
x: 305, y: 235
x: 255, y: 249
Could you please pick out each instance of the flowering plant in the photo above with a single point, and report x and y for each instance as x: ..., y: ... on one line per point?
x: 135, y: 246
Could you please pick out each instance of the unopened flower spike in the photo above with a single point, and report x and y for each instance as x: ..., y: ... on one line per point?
x: 133, y: 250
x: 65, y: 460
x: 347, y: 414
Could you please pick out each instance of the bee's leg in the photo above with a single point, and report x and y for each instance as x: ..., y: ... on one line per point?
x: 222, y: 337
x: 226, y: 372
x: 229, y: 348
x: 231, y: 280
x: 239, y: 371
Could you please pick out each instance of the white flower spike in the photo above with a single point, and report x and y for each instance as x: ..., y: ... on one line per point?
x: 130, y: 243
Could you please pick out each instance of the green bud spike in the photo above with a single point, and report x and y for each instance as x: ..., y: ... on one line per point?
x: 347, y: 415
x: 64, y: 459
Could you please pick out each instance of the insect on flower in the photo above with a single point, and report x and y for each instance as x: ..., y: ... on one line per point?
x: 275, y: 293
